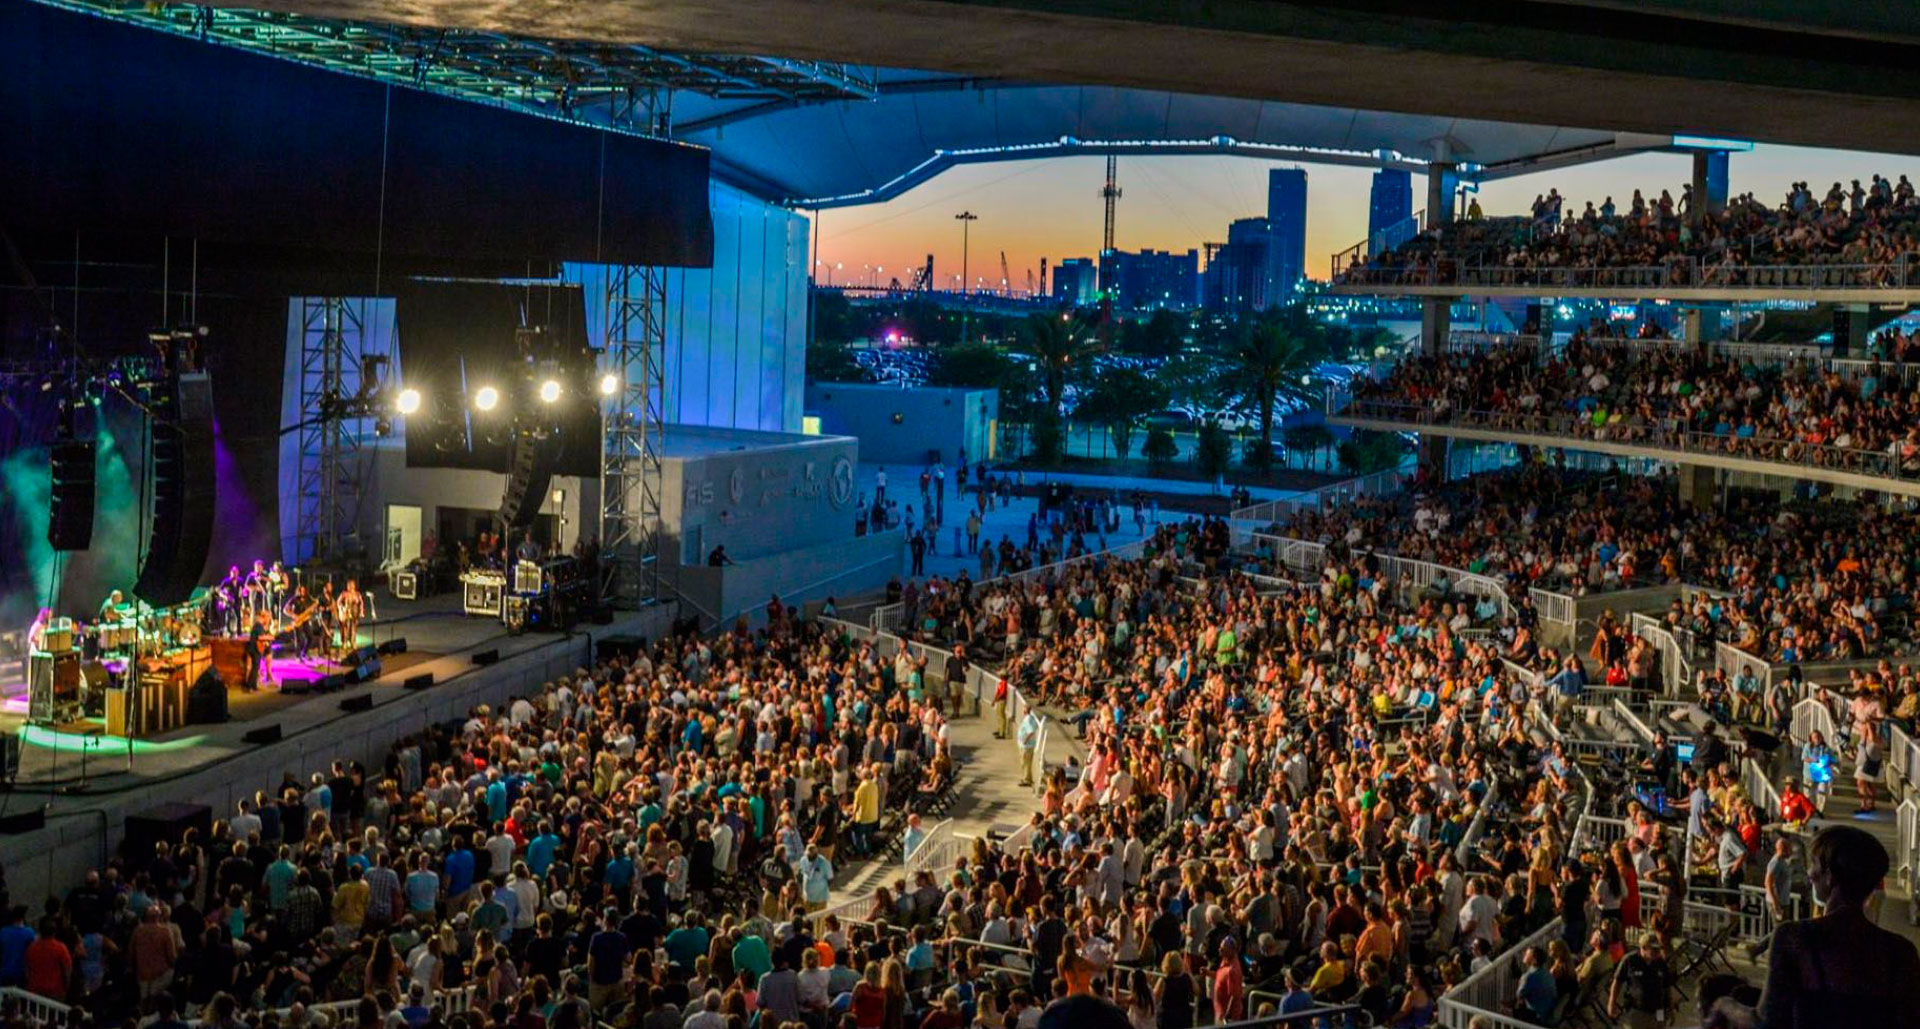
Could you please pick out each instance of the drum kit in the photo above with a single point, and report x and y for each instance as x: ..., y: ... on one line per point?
x: 139, y: 630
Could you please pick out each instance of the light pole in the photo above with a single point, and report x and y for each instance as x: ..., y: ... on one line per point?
x: 966, y: 220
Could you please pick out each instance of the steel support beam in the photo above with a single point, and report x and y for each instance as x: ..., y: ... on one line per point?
x: 332, y: 471
x: 633, y: 424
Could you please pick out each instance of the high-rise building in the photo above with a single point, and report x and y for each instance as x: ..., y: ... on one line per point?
x: 1287, y: 218
x: 1152, y: 279
x: 1075, y: 281
x: 1391, y: 205
x: 1240, y: 277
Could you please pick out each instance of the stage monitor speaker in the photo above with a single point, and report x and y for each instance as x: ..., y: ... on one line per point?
x: 32, y: 820
x: 183, y: 492
x: 357, y: 702
x: 166, y: 823
x: 207, y: 701
x: 70, y: 511
x: 9, y: 755
x: 486, y: 657
x: 329, y: 683
x: 419, y: 682
x: 397, y: 645
x: 366, y: 671
x: 364, y: 655
x: 264, y: 734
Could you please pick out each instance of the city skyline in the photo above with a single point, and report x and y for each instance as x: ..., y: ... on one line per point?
x: 1051, y: 208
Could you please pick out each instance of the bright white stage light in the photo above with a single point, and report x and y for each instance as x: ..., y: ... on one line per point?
x: 486, y: 399
x: 550, y: 391
x: 409, y: 401
x: 609, y: 384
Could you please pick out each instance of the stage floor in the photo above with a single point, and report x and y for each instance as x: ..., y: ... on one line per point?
x: 440, y: 639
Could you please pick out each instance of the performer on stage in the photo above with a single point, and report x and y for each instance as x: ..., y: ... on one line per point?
x: 277, y: 582
x: 260, y: 652
x: 302, y: 620
x: 231, y: 596
x: 349, y: 608
x: 259, y: 595
x: 37, y: 632
x: 110, y: 608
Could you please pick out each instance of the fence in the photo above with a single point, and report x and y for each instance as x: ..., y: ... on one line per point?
x: 1813, y: 714
x: 1485, y: 992
x: 1449, y: 269
x: 1759, y: 788
x: 1662, y: 434
x: 937, y: 852
x: 1556, y: 610
x: 1733, y: 661
x: 1906, y: 845
x: 1379, y: 484
x: 1676, y: 671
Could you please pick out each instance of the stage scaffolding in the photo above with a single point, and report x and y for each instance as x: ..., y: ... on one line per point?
x: 632, y: 423
x: 332, y: 468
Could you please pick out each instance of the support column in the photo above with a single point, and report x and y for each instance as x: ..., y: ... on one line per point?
x: 1443, y: 181
x: 1699, y: 486
x: 1436, y: 321
x: 1709, y: 184
x: 1850, y: 322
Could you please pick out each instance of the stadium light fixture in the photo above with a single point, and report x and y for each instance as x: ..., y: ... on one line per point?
x: 486, y: 398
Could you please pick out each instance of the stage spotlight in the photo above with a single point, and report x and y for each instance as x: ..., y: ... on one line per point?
x: 409, y: 401
x: 486, y: 399
x: 609, y: 384
x: 550, y: 391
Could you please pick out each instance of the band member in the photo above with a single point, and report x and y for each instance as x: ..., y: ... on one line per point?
x: 258, y: 595
x: 260, y: 652
x: 530, y: 549
x: 277, y: 582
x: 302, y: 620
x: 230, y: 596
x: 37, y: 632
x: 110, y: 608
x: 349, y: 608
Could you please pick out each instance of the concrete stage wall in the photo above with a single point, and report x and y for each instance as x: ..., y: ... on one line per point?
x: 897, y: 425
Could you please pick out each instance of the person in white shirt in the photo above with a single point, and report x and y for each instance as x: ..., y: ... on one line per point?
x: 1479, y: 916
x: 527, y: 893
x: 246, y: 823
x: 499, y: 855
x: 816, y: 878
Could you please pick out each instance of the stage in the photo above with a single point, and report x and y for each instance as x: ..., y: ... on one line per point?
x: 440, y: 641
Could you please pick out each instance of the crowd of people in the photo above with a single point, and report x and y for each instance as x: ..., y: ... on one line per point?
x: 1293, y: 794
x: 1790, y: 411
x: 1869, y: 227
x: 1797, y: 583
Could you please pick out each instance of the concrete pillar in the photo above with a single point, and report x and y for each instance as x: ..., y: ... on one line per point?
x: 1850, y: 322
x: 1698, y: 486
x: 1709, y: 184
x: 1443, y: 181
x: 1436, y: 321
x: 1433, y: 454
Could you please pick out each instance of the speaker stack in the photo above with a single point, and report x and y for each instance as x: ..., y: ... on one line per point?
x: 183, y: 492
x: 70, y: 513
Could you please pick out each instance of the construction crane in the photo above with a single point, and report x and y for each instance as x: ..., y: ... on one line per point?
x: 1108, y: 193
x: 923, y: 277
x: 1006, y: 277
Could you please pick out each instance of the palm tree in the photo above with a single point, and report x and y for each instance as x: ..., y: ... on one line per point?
x: 1267, y: 354
x: 1058, y: 342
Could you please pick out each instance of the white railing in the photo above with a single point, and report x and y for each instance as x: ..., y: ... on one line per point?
x: 1732, y: 660
x: 1625, y: 716
x: 1676, y: 670
x: 937, y: 852
x: 1489, y: 989
x: 1759, y: 788
x: 1811, y: 714
x: 1378, y: 484
x: 1554, y: 608
x: 1906, y: 851
x: 44, y: 1010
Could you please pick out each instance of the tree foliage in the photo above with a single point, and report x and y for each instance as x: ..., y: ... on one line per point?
x: 1120, y: 397
x: 833, y: 361
x: 1214, y: 452
x: 1060, y: 345
x: 1268, y: 353
x: 1159, y: 447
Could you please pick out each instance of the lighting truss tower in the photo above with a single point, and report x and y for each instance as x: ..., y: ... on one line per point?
x: 631, y: 434
x: 332, y: 473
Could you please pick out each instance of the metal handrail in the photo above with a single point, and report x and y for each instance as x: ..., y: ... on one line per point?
x: 1662, y: 435
x: 1449, y: 269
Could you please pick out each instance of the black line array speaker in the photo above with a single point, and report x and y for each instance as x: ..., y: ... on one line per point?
x: 530, y: 467
x: 70, y: 514
x: 183, y: 492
